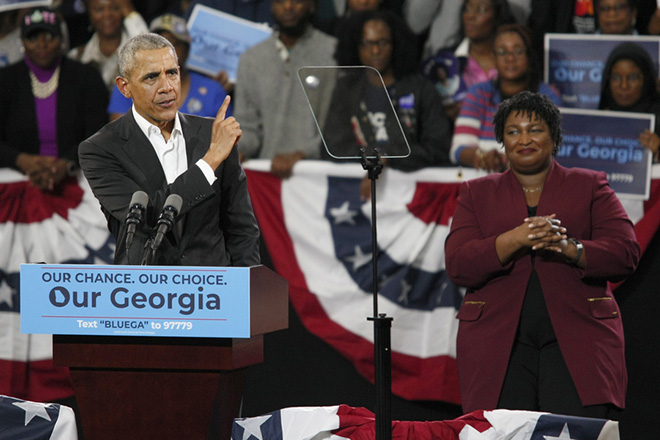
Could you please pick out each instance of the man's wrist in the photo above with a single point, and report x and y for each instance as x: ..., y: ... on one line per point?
x: 207, y: 170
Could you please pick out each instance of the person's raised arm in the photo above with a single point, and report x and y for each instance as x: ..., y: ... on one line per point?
x: 226, y: 133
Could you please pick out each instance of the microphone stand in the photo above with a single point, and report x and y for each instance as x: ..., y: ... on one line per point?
x: 382, y: 323
x: 148, y: 255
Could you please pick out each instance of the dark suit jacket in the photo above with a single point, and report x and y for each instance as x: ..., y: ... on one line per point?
x: 218, y: 224
x: 583, y: 312
x: 82, y: 100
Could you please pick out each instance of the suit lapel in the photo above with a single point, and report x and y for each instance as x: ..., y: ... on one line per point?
x: 195, y: 147
x: 141, y: 152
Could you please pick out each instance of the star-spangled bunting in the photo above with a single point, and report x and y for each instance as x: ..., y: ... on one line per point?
x: 359, y: 258
x: 32, y: 410
x: 252, y: 426
x: 565, y: 435
x: 64, y: 226
x: 25, y: 420
x: 350, y: 423
x: 343, y: 214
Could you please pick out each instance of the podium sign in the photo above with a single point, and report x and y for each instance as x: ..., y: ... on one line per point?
x: 155, y: 351
x: 111, y: 300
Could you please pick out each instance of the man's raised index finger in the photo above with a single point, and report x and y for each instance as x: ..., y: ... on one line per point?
x: 222, y: 112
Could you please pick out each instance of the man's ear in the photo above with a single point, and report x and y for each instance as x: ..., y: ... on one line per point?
x: 122, y: 85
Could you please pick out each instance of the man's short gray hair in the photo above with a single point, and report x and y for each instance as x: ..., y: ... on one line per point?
x: 150, y: 41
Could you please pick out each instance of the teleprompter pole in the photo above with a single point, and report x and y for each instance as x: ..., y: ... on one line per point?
x: 382, y: 323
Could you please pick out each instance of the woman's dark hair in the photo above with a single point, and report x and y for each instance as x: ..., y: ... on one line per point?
x: 534, y: 71
x: 503, y: 14
x: 641, y: 58
x: 530, y: 104
x: 404, y: 44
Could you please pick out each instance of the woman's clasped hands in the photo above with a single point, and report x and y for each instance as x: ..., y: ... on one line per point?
x: 545, y: 232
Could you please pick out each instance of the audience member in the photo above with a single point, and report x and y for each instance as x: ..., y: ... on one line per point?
x: 474, y: 142
x: 382, y: 41
x: 114, y: 22
x: 616, y: 17
x: 647, y: 14
x: 200, y: 95
x: 536, y: 248
x: 480, y: 19
x: 437, y: 18
x: 473, y: 60
x: 581, y: 17
x: 629, y: 85
x: 275, y: 117
x: 49, y: 104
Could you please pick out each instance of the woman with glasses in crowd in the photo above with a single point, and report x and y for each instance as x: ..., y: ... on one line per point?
x: 616, y: 17
x: 474, y: 142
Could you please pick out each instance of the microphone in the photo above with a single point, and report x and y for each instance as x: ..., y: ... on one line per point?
x: 136, y: 209
x: 165, y: 222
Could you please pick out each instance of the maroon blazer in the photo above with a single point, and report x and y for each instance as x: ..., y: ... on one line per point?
x: 583, y: 312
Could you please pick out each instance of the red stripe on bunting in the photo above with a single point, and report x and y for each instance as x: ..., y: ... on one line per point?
x: 435, y: 202
x: 24, y: 203
x: 35, y: 380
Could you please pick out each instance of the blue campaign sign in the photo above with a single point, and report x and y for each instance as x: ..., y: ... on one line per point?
x: 219, y: 39
x: 135, y: 300
x: 574, y: 64
x: 608, y: 141
x: 8, y: 5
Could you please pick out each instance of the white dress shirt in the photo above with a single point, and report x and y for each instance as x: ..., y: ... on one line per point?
x: 171, y: 154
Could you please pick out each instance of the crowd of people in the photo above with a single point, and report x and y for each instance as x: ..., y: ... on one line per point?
x: 447, y: 67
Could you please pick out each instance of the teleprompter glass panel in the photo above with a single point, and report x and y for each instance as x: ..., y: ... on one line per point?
x: 353, y: 112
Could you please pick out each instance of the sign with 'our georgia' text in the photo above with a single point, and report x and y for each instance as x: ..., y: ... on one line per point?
x: 609, y: 141
x: 135, y: 300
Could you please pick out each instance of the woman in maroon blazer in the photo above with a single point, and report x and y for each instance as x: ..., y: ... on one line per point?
x: 536, y: 246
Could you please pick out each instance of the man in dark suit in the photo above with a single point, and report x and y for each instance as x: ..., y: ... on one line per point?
x: 155, y: 149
